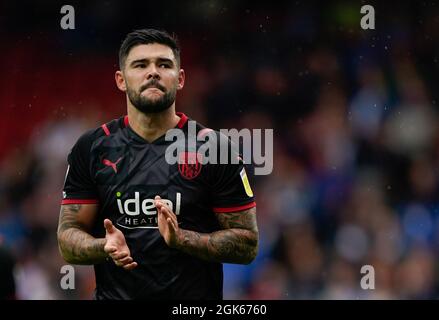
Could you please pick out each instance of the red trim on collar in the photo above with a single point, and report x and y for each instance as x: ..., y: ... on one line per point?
x: 105, y: 128
x: 183, y: 119
x: 180, y: 124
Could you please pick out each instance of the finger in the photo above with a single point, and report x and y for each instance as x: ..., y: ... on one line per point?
x: 119, y: 255
x: 110, y: 249
x: 109, y: 227
x: 163, y: 216
x: 166, y: 205
x: 158, y: 203
x: 164, y: 213
x: 165, y: 210
x: 171, y: 224
x: 126, y: 260
x: 168, y: 213
x: 130, y: 266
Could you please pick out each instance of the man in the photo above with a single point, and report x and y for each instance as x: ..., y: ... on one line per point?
x: 153, y: 230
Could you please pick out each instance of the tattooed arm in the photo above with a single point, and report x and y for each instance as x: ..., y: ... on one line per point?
x: 76, y: 245
x: 236, y: 243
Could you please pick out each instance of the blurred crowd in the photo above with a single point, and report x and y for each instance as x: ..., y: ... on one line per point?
x: 356, y: 145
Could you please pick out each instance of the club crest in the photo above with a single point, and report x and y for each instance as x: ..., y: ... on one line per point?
x: 189, y: 164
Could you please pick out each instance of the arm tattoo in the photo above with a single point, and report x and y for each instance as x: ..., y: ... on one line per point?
x: 237, y: 243
x: 76, y: 245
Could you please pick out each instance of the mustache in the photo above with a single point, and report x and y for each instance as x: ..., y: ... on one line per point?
x: 152, y: 84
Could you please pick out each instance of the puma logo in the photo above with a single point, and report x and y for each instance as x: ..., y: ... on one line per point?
x: 112, y: 164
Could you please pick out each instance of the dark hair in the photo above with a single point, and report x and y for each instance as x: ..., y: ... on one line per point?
x: 147, y: 36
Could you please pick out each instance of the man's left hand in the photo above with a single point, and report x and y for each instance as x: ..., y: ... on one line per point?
x: 167, y: 221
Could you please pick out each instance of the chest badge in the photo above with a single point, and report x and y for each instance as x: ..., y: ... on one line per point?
x: 189, y: 164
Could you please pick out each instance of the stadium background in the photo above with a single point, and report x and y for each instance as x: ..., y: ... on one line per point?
x: 354, y: 113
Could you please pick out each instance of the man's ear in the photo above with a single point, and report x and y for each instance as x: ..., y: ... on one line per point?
x: 181, y: 78
x: 120, y: 81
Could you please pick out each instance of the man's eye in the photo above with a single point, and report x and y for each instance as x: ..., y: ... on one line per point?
x: 140, y: 66
x: 164, y: 65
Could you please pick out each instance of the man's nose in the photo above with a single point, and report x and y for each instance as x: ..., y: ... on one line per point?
x: 153, y: 72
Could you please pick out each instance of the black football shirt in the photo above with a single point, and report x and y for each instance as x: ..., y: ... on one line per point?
x: 117, y: 169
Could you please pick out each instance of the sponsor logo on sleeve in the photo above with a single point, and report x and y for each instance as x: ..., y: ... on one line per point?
x: 248, y: 189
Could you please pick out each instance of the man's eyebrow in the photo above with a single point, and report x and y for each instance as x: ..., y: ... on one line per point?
x: 138, y: 61
x: 159, y: 59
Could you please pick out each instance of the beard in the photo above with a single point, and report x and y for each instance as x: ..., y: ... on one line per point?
x: 147, y: 105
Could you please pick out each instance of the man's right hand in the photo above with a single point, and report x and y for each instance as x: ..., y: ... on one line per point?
x: 116, y: 247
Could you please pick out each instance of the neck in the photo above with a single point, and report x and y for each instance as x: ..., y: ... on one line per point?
x: 152, y: 125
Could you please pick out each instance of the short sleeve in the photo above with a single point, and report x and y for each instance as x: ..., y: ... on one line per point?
x: 231, y: 189
x: 79, y: 187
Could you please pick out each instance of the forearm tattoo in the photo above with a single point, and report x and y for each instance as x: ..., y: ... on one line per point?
x: 237, y: 243
x: 76, y: 245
